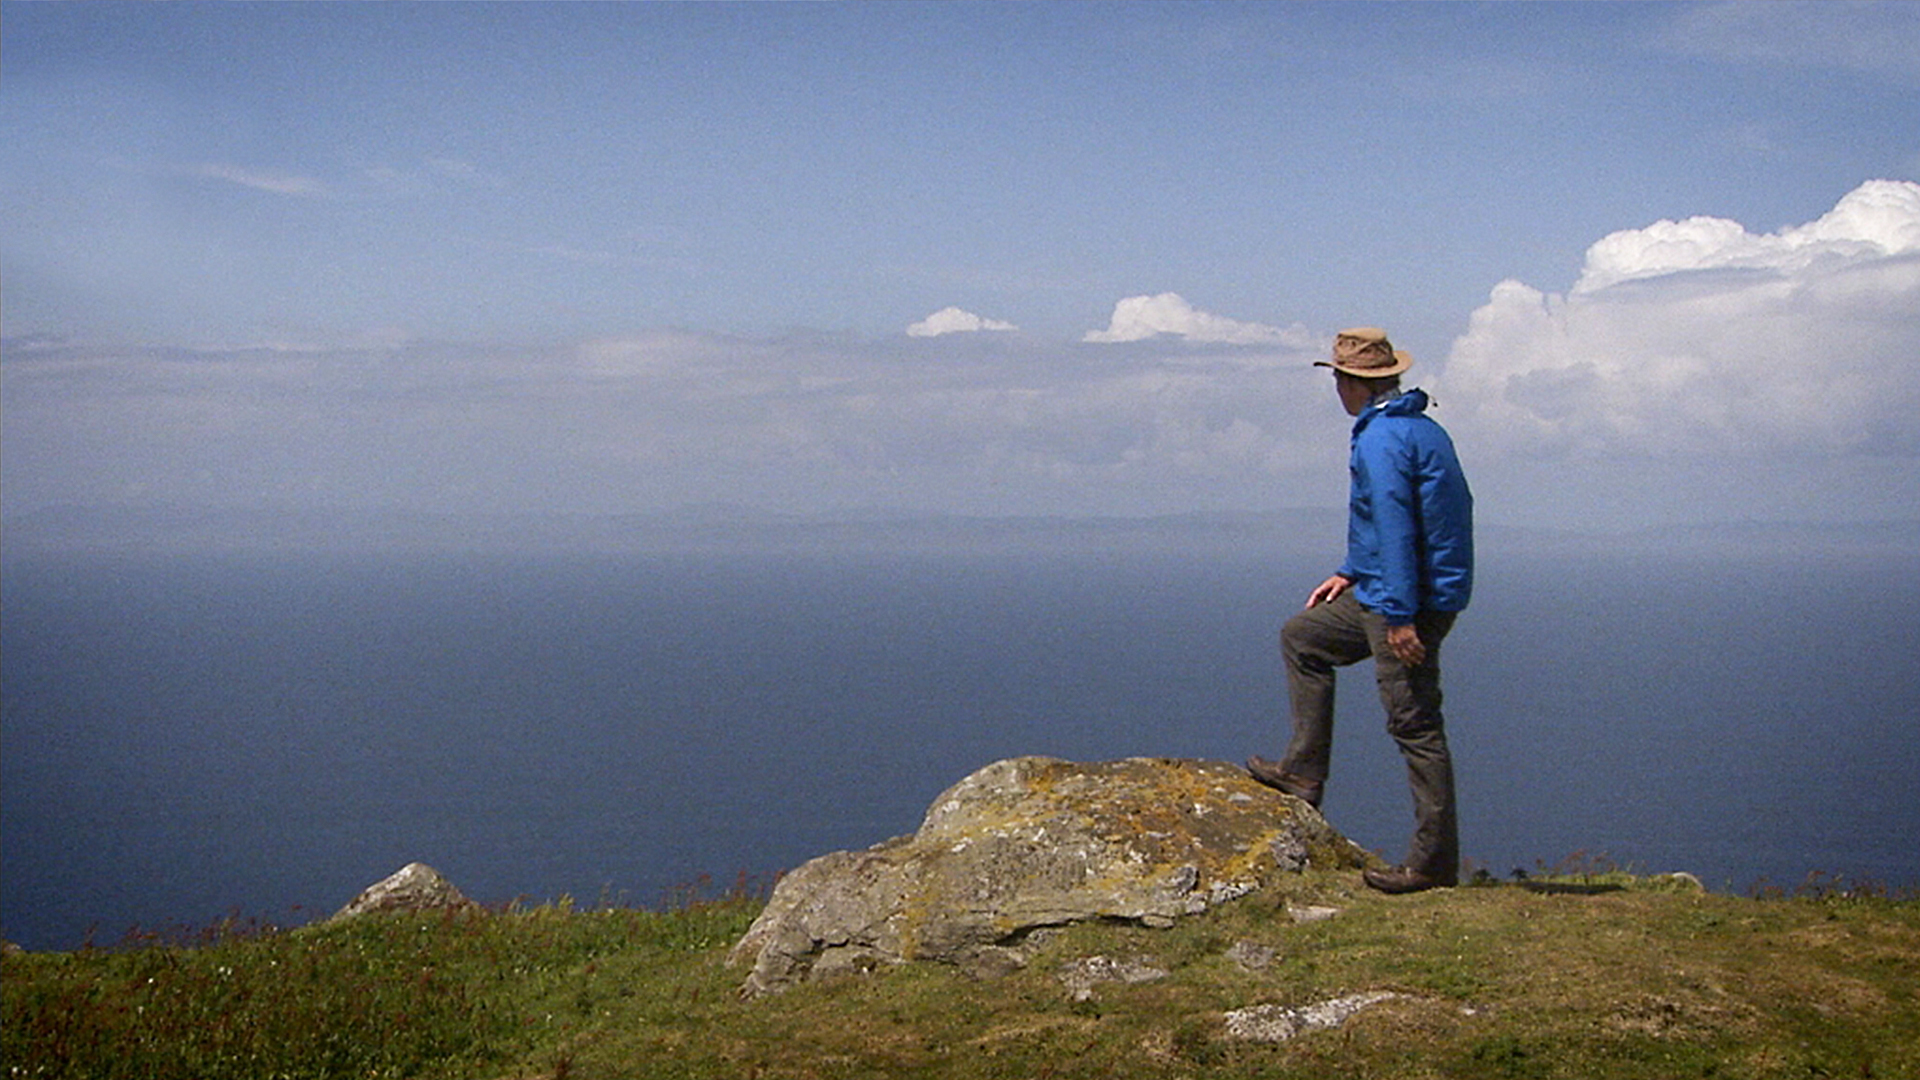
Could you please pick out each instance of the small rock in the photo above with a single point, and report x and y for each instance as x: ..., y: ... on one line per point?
x: 992, y: 962
x: 1290, y: 854
x: 1081, y: 976
x: 1278, y: 1023
x: 1679, y: 879
x: 1306, y: 913
x: 1222, y: 891
x: 1252, y: 955
x: 413, y: 887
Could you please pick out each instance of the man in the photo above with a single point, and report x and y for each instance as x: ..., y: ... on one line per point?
x: 1408, y: 573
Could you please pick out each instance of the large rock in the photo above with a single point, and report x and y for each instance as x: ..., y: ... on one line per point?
x: 1033, y: 842
x: 414, y: 887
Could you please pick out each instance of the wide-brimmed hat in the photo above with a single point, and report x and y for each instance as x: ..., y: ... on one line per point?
x: 1365, y: 352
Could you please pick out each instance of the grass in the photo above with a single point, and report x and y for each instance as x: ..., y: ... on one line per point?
x: 1593, y: 973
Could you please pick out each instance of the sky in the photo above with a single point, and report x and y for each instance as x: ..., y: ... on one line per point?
x: 1656, y: 263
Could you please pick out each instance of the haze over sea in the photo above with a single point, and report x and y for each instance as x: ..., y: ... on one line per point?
x: 188, y: 736
x: 490, y: 290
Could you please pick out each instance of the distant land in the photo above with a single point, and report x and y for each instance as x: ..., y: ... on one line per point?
x: 724, y: 528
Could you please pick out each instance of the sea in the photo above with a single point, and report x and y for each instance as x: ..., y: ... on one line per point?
x: 191, y: 738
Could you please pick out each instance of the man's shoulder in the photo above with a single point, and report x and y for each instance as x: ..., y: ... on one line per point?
x: 1403, y: 426
x: 1415, y: 424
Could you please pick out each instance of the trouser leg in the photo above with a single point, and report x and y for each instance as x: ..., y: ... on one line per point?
x: 1411, y: 696
x: 1314, y: 643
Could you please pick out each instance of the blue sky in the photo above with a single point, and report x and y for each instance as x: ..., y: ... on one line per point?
x: 974, y: 258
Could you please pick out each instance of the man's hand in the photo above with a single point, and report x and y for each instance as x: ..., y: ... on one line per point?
x: 1405, y: 644
x: 1328, y: 590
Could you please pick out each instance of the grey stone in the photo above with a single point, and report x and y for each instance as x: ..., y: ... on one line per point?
x: 993, y: 961
x: 413, y: 887
x: 1306, y: 913
x: 1679, y: 879
x: 1252, y: 955
x: 1278, y: 1023
x: 1036, y: 842
x: 1289, y: 853
x: 1082, y: 975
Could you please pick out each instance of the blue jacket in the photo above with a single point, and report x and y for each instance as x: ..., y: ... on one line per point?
x: 1409, y: 514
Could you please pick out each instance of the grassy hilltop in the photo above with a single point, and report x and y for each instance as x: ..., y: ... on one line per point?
x: 1594, y: 975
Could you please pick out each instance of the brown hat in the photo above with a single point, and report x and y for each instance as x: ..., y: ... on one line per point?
x: 1366, y: 353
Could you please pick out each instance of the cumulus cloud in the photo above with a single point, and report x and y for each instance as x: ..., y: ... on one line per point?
x: 1139, y: 318
x: 1698, y: 339
x: 1879, y: 218
x: 953, y: 320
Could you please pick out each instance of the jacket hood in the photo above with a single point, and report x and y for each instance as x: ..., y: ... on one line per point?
x: 1411, y: 402
x: 1408, y: 403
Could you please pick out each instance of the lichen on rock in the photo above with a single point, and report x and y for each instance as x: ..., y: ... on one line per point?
x: 1034, y: 842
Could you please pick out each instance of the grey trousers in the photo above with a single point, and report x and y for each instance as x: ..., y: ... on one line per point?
x: 1340, y: 632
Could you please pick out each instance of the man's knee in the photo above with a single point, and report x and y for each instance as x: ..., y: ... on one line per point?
x: 1415, y: 725
x: 1410, y: 694
x: 1293, y: 635
x: 1320, y: 637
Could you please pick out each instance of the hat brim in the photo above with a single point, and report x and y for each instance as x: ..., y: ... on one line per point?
x: 1401, y: 362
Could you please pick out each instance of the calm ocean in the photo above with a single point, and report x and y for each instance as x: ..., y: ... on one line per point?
x: 186, y: 738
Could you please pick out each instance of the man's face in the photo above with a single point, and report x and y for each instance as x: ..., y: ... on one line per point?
x: 1354, y: 393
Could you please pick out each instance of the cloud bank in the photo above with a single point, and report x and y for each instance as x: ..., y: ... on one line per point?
x: 1140, y: 318
x: 660, y: 419
x: 1695, y: 369
x: 953, y: 320
x: 1699, y: 339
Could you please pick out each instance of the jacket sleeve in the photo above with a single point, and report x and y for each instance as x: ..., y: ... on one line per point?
x: 1446, y: 527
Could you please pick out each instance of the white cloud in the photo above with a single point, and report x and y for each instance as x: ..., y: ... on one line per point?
x: 658, y: 419
x: 1694, y: 349
x: 259, y: 180
x: 1031, y: 422
x: 1139, y: 318
x: 661, y: 353
x: 1700, y: 340
x: 953, y: 320
x: 1879, y: 218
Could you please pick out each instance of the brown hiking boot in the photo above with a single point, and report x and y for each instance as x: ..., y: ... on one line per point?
x: 1270, y: 774
x: 1400, y: 879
